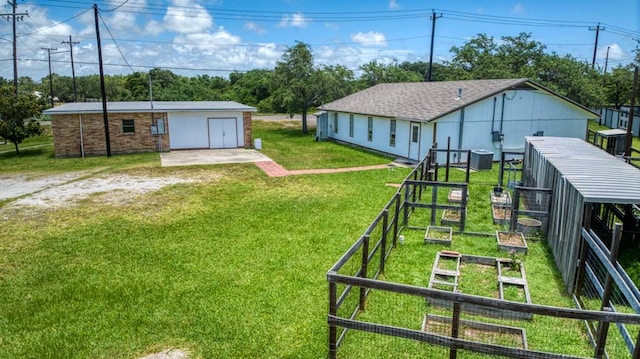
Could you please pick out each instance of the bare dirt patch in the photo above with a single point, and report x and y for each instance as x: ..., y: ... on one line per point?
x: 70, y: 188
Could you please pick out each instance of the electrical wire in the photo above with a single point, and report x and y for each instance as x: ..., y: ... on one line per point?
x: 117, y: 7
x: 115, y: 42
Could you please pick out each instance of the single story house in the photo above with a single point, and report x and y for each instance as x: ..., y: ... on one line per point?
x: 79, y: 128
x: 406, y: 119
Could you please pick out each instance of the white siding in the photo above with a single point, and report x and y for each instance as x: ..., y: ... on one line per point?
x: 381, y: 133
x: 189, y: 130
x: 525, y: 112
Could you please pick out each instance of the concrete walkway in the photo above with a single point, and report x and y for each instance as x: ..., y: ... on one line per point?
x: 240, y: 155
x: 273, y: 169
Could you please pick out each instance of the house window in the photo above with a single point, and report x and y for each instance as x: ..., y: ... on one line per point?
x: 335, y: 122
x: 351, y: 125
x: 370, y: 129
x: 392, y: 133
x: 128, y: 126
x: 415, y: 133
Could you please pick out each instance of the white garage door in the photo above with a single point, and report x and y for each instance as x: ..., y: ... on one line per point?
x: 188, y: 132
x: 223, y: 133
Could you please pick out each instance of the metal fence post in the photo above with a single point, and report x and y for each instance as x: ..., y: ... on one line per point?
x: 363, y: 270
x: 383, y: 245
x: 333, y: 330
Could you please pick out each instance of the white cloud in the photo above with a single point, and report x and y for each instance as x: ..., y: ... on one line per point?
x: 153, y: 28
x: 294, y: 20
x: 252, y: 26
x: 270, y: 52
x: 518, y: 9
x: 205, y: 43
x: 615, y: 52
x: 370, y: 38
x: 187, y: 17
x: 393, y: 4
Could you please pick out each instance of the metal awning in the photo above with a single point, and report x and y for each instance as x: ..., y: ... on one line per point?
x: 598, y: 176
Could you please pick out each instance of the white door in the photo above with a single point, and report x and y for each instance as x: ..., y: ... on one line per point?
x: 414, y: 141
x: 223, y: 133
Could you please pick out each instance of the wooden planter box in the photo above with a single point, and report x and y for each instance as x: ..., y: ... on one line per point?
x: 501, y: 199
x: 455, y: 195
x: 501, y: 214
x: 486, y: 332
x: 450, y: 218
x: 508, y: 241
x: 438, y: 235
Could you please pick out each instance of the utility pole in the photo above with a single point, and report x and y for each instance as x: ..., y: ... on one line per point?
x: 634, y: 91
x: 606, y: 62
x: 433, y: 31
x: 105, y: 117
x: 595, y: 47
x: 16, y: 16
x: 73, y: 71
x: 49, y: 49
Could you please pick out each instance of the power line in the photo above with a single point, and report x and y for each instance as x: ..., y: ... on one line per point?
x: 114, y: 41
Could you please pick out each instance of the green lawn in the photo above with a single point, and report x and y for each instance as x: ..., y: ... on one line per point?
x: 229, y: 268
x: 234, y: 266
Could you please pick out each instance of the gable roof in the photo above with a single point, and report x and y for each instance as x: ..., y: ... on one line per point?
x: 145, y: 106
x: 426, y: 101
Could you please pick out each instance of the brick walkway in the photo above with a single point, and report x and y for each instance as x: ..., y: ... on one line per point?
x: 273, y: 169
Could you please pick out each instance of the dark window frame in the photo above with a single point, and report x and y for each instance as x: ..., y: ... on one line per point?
x: 128, y: 125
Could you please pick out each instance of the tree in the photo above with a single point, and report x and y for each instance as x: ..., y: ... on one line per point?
x: 618, y: 85
x: 14, y: 111
x: 299, y: 85
x: 375, y: 72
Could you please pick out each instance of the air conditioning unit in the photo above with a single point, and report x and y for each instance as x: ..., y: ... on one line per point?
x: 481, y: 160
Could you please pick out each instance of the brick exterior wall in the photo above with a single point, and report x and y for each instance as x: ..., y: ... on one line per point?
x: 66, y: 134
x: 248, y: 138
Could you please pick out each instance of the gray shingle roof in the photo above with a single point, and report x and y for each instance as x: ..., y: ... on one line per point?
x: 424, y: 101
x: 145, y: 106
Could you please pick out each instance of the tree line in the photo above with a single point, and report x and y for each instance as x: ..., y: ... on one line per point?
x: 297, y: 84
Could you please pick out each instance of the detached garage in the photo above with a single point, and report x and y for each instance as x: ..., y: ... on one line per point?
x: 79, y: 128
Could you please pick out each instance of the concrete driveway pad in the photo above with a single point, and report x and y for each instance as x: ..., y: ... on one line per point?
x: 210, y: 157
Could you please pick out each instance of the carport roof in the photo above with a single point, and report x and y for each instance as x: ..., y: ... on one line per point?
x: 598, y: 176
x: 146, y: 106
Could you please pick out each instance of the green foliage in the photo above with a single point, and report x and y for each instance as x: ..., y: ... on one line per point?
x: 300, y: 85
x: 374, y: 73
x: 14, y: 113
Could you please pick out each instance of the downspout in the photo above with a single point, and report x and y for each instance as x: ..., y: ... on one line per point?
x: 504, y: 95
x: 493, y: 117
x: 460, y: 131
x: 81, y: 138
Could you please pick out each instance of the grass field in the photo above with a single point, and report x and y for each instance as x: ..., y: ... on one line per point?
x: 232, y: 268
x: 227, y: 268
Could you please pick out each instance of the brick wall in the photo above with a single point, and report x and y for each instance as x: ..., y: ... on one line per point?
x: 248, y: 138
x: 66, y: 134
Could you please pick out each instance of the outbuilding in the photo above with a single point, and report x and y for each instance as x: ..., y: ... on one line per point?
x: 406, y: 119
x: 79, y: 128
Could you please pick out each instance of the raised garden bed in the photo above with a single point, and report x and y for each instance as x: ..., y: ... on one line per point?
x: 455, y: 195
x: 501, y: 214
x: 529, y: 226
x: 450, y: 269
x: 451, y: 217
x: 511, y: 241
x: 438, y: 235
x: 500, y: 199
x: 507, y: 336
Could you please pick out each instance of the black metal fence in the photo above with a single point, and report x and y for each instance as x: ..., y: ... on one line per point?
x: 362, y: 302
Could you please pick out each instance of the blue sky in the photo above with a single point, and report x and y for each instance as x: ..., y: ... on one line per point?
x: 214, y: 37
